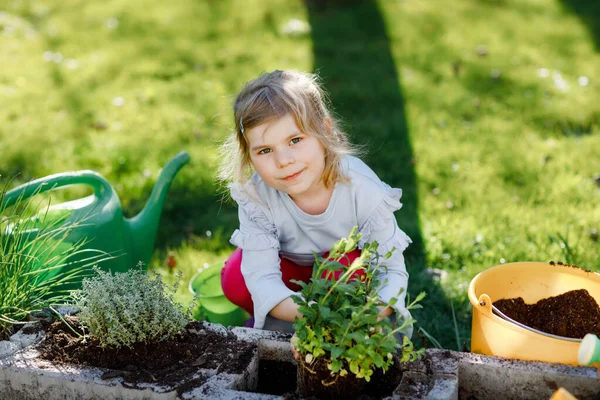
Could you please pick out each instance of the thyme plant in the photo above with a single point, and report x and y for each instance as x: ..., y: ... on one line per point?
x: 122, y: 309
x: 341, y: 320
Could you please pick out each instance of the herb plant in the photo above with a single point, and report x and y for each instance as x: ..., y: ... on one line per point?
x: 36, y: 260
x: 341, y: 323
x: 122, y: 309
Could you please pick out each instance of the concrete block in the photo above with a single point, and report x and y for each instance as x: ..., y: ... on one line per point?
x: 20, y: 340
x: 23, y: 376
x: 413, y: 386
x: 275, y: 350
x: 8, y: 348
x: 487, y: 377
x: 443, y: 362
x: 445, y: 387
x: 254, y: 335
x: 24, y: 339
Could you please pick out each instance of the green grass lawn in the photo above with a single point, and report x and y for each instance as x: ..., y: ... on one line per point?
x: 485, y: 112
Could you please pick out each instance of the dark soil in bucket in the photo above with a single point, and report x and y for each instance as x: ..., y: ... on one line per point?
x: 166, y: 363
x: 572, y: 314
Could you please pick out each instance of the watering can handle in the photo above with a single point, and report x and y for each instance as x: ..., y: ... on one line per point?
x: 86, y: 177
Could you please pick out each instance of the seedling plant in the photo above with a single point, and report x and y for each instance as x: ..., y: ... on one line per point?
x: 341, y: 330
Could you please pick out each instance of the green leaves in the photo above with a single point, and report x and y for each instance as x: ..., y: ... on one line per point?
x: 122, y: 309
x: 341, y: 318
x: 335, y: 352
x: 413, y: 305
x: 408, y: 353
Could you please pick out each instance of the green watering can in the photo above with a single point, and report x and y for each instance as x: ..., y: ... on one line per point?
x: 99, y: 219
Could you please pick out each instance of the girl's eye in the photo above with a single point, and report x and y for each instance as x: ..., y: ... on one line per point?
x: 264, y: 151
x: 296, y: 140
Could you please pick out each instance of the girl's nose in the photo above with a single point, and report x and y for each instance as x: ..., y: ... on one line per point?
x: 284, y: 158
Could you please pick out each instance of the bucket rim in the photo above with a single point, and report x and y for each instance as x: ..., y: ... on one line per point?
x: 574, y: 269
x: 199, y: 272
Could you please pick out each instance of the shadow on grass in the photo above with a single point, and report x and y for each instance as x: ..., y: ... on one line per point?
x: 353, y: 57
x: 589, y: 12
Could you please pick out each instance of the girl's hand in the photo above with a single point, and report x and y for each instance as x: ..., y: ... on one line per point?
x: 384, y: 311
x: 293, y: 343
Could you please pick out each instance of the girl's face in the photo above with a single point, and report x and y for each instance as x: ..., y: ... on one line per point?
x: 286, y: 158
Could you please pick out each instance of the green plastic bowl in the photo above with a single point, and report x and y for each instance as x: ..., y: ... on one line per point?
x: 214, y: 306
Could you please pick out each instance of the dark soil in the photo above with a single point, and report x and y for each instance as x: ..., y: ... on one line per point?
x: 165, y: 363
x: 572, y: 314
x: 276, y: 377
x: 382, y: 385
x: 321, y: 385
x: 279, y: 378
x: 30, y: 329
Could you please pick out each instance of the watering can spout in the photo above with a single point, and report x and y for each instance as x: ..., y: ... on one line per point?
x: 144, y: 226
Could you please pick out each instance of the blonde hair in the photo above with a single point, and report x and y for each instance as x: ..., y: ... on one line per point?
x: 272, y: 96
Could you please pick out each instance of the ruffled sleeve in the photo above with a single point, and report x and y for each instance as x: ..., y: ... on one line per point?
x: 381, y: 219
x: 257, y: 231
x: 381, y: 226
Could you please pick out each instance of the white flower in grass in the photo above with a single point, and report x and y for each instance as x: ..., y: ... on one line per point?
x: 295, y: 27
x: 112, y: 23
x: 118, y: 101
x: 543, y: 72
x: 583, y: 81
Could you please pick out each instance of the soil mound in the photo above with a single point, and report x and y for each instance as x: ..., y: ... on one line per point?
x: 165, y: 363
x: 572, y: 314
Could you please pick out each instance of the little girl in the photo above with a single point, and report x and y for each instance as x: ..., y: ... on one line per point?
x: 289, y: 167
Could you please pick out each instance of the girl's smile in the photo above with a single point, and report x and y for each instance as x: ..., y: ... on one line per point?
x: 293, y: 176
x: 288, y: 159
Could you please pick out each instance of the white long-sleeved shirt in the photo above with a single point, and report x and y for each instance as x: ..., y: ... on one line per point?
x: 272, y: 226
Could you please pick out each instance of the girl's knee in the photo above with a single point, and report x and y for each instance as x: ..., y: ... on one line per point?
x: 346, y: 261
x: 233, y: 283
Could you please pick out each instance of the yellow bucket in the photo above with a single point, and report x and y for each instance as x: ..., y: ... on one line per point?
x: 532, y: 281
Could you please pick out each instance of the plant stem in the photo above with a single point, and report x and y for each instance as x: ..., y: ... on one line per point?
x: 65, y: 322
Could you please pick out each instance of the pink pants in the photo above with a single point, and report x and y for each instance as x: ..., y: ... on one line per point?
x: 234, y: 285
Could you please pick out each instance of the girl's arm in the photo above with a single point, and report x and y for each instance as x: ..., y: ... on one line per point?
x: 287, y: 310
x: 385, y: 311
x: 262, y: 276
x: 394, y: 282
x: 381, y: 226
x: 376, y: 203
x: 258, y: 238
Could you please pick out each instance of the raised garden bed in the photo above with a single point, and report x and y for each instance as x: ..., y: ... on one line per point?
x: 270, y: 371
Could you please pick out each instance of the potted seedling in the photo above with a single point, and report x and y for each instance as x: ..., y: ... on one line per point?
x: 341, y: 338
